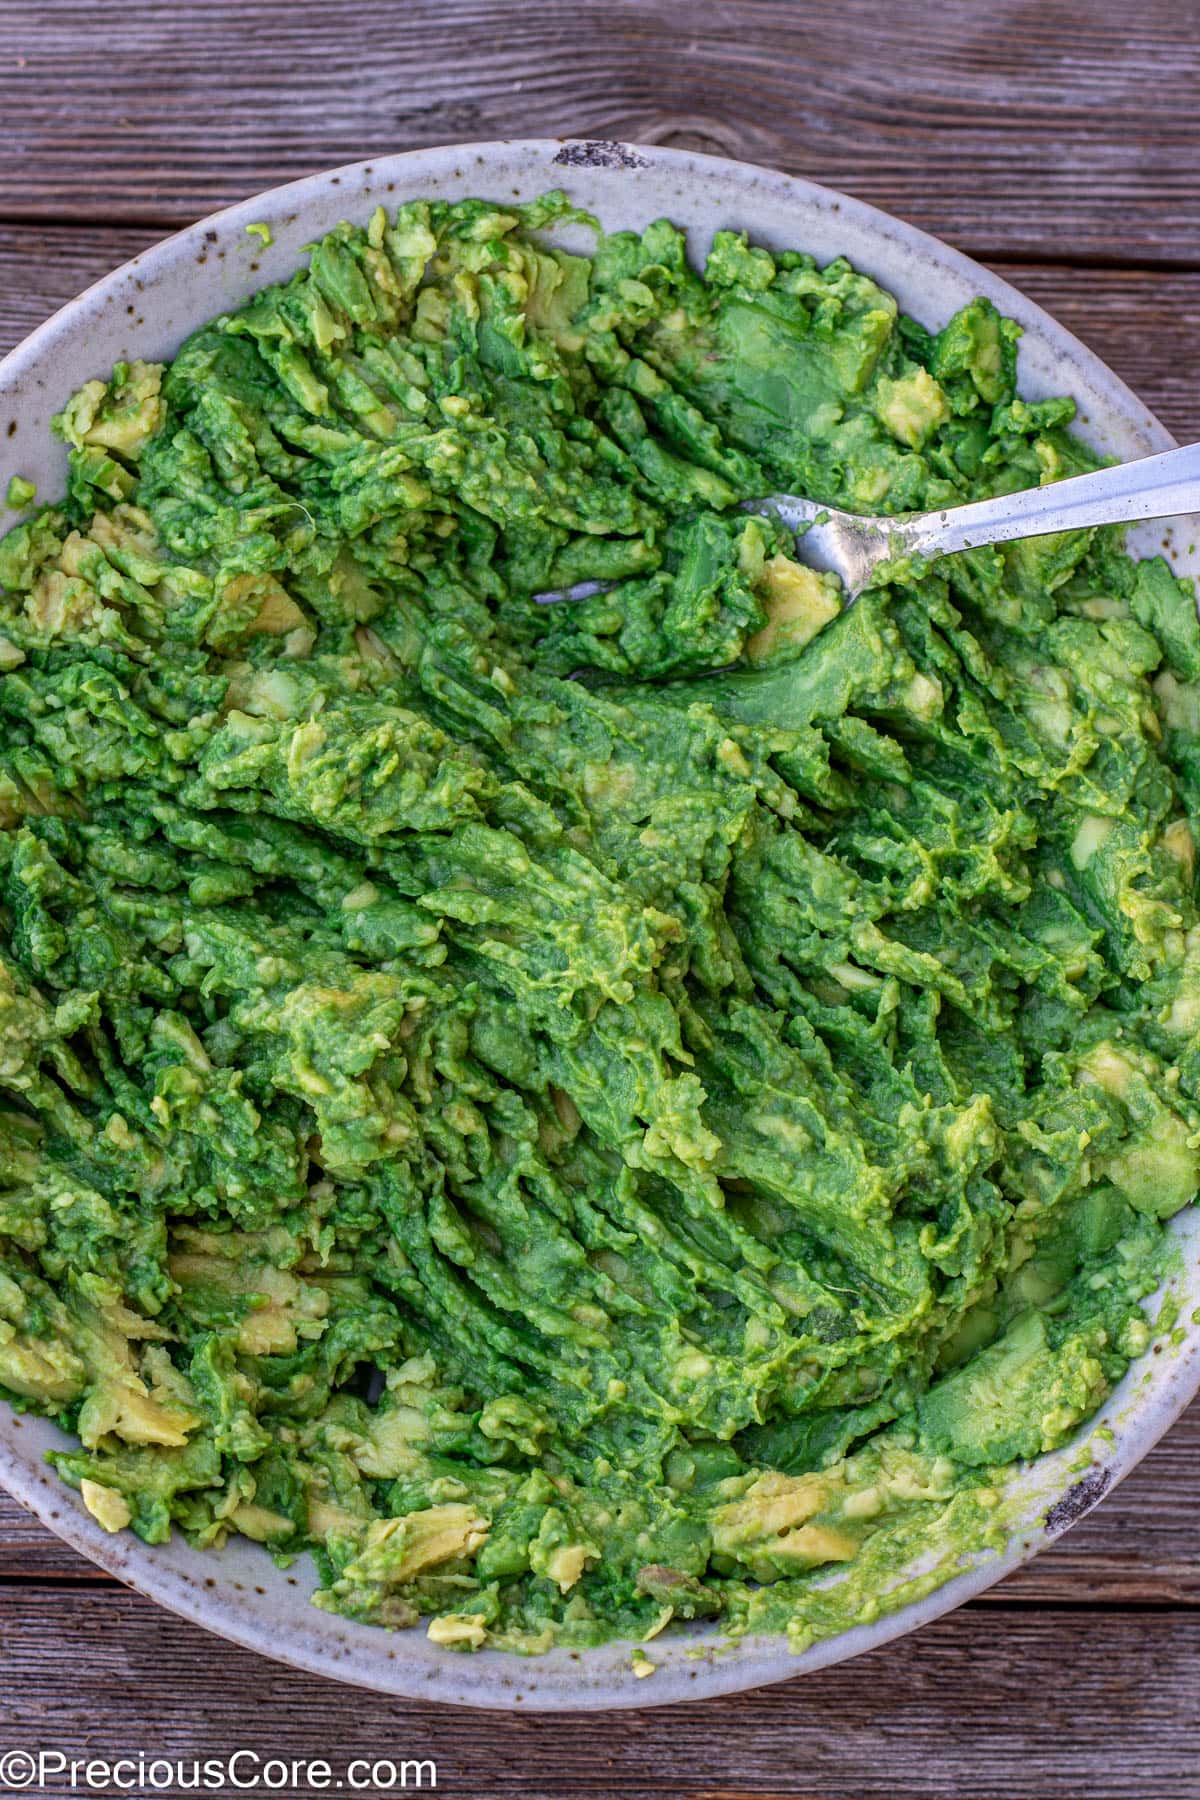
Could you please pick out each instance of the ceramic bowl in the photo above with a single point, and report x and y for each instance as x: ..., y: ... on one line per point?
x: 146, y: 309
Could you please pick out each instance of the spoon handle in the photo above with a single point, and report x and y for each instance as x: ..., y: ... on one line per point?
x: 1155, y: 487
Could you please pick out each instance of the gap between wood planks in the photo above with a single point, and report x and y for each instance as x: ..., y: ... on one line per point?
x: 996, y: 1601
x: 1001, y: 255
x: 1048, y: 1706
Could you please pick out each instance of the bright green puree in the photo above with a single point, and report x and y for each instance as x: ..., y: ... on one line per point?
x: 581, y: 1154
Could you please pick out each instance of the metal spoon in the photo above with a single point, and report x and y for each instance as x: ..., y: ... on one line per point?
x: 852, y: 547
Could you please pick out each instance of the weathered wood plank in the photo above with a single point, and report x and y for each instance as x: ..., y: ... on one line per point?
x: 1021, y: 128
x: 1039, y: 1700
x: 41, y: 268
x: 29, y: 1551
x: 1028, y: 130
x: 1142, y: 322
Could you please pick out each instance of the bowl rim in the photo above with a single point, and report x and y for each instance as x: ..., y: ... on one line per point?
x: 694, y: 1666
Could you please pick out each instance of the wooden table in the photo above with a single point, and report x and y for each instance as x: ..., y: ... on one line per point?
x: 1056, y: 142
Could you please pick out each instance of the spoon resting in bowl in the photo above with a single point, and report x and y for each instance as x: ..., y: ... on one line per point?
x: 852, y: 546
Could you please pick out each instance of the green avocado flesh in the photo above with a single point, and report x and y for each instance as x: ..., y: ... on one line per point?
x: 577, y: 1155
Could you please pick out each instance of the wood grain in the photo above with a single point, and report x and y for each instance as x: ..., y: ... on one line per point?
x: 1025, y: 127
x: 1058, y: 143
x: 1007, y: 1703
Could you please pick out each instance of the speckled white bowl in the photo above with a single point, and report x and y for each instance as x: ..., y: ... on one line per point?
x: 146, y: 309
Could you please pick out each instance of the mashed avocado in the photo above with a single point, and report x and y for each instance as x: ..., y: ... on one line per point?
x: 581, y: 1154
